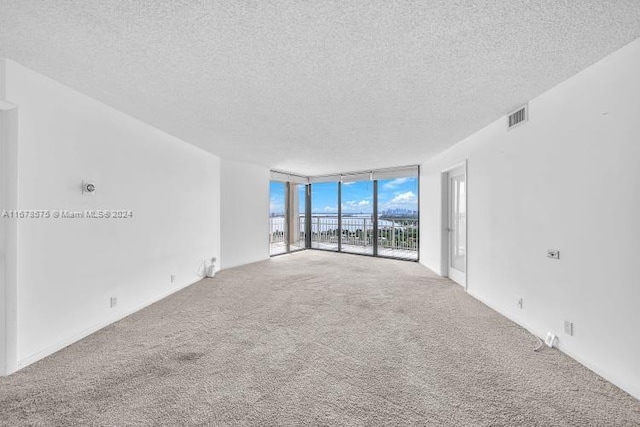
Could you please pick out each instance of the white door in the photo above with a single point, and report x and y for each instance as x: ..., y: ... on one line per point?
x: 457, y: 227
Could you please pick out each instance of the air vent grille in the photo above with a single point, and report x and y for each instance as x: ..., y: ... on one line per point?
x: 518, y: 117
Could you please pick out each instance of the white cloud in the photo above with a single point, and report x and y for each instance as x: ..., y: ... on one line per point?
x: 348, y: 183
x: 407, y: 197
x: 395, y: 183
x: 408, y: 201
x: 355, y: 205
x: 276, y: 209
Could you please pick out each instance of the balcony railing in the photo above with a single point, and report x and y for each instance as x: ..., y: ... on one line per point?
x: 397, y: 237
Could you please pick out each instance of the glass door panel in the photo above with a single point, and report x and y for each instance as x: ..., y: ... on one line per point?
x: 398, y: 218
x: 297, y: 202
x: 277, y: 218
x: 357, y: 217
x: 457, y: 222
x: 324, y: 216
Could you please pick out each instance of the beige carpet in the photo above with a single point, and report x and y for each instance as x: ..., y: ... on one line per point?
x: 314, y: 338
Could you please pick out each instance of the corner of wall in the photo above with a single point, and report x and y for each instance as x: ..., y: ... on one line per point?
x: 3, y: 66
x: 526, y: 186
x: 90, y: 139
x: 244, y: 212
x: 8, y: 228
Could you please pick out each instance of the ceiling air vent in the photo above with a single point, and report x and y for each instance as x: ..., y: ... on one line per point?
x: 518, y: 117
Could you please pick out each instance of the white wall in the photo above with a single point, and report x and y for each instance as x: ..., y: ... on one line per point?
x: 8, y: 229
x: 569, y: 179
x: 69, y: 268
x: 245, y: 213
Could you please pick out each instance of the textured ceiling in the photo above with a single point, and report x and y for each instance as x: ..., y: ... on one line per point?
x: 315, y: 86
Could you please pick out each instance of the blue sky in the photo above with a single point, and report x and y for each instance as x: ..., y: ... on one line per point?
x: 357, y: 197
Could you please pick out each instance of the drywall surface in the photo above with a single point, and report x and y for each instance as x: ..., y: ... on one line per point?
x: 567, y: 180
x: 3, y: 227
x: 69, y: 268
x: 245, y: 213
x: 8, y: 229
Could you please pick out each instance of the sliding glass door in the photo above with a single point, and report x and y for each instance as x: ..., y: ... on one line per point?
x: 297, y: 210
x: 278, y: 224
x: 371, y: 213
x: 357, y: 217
x: 398, y: 217
x: 287, y: 222
x: 324, y: 224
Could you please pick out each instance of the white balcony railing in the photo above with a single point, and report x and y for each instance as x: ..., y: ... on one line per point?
x: 393, y: 233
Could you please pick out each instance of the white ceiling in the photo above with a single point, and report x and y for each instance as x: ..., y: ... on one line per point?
x: 315, y: 86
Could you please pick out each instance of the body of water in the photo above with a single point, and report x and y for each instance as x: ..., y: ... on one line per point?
x: 325, y: 222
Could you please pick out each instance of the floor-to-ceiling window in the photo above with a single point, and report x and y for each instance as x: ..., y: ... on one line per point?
x: 371, y: 213
x: 287, y: 213
x: 277, y: 217
x: 297, y: 209
x: 398, y: 217
x: 357, y: 215
x: 324, y: 216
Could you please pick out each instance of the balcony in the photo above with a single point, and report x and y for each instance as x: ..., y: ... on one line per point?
x: 397, y: 237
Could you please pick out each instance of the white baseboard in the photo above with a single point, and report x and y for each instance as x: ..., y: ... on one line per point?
x: 632, y: 389
x: 22, y: 363
x: 229, y: 267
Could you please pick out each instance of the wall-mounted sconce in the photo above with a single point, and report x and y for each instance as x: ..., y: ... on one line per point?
x: 88, y: 188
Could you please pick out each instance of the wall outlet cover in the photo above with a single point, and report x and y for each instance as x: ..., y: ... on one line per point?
x: 553, y: 253
x: 568, y: 327
x: 551, y: 339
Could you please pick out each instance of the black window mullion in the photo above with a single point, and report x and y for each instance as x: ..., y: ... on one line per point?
x: 339, y: 216
x: 307, y: 218
x: 287, y: 215
x: 375, y: 217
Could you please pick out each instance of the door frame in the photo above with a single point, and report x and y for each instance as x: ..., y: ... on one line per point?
x: 291, y: 187
x: 445, y: 215
x: 8, y: 237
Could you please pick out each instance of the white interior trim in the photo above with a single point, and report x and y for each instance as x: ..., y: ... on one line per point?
x: 370, y: 175
x: 32, y: 358
x: 279, y: 176
x: 295, y: 179
x: 325, y: 178
x: 288, y: 177
x: 403, y: 172
x: 8, y: 241
x: 363, y: 176
x: 445, y: 264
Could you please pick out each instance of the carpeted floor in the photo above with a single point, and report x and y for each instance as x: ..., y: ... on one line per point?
x: 314, y: 338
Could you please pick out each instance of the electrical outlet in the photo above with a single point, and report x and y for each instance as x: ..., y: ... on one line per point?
x: 568, y: 327
x: 520, y: 302
x: 173, y: 278
x: 114, y: 301
x: 553, y: 253
x: 551, y: 339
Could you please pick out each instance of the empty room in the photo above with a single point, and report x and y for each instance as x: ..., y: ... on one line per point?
x: 349, y: 213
